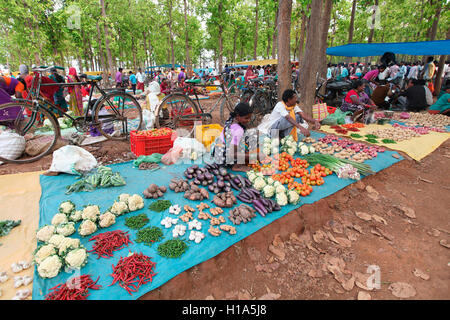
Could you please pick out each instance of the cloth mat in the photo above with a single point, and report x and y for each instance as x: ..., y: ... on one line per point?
x: 19, y: 200
x: 137, y: 180
x: 417, y: 148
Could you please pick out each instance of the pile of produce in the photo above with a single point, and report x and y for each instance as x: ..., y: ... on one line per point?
x: 108, y: 242
x: 243, y: 213
x: 73, y: 289
x: 224, y: 200
x: 149, y: 166
x: 160, y: 205
x: 202, y: 175
x: 154, y: 192
x: 395, y: 133
x: 195, y: 193
x: 103, y: 178
x: 304, y: 149
x: 161, y: 132
x: 133, y: 271
x: 335, y: 164
x: 172, y: 248
x: 247, y: 195
x: 265, y: 206
x: 288, y: 145
x: 270, y: 146
x: 419, y: 130
x: 137, y: 222
x: 348, y: 171
x: 271, y: 187
x: 437, y: 121
x: 179, y: 185
x: 149, y: 235
x: 267, y: 166
x: 7, y: 225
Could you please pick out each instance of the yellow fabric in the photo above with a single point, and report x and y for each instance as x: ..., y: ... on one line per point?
x: 292, y: 114
x: 19, y: 200
x: 417, y: 148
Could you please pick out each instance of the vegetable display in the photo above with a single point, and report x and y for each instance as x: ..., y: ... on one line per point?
x: 161, y: 132
x: 133, y: 271
x: 288, y: 145
x: 73, y: 289
x: 108, y: 242
x: 103, y: 178
x: 149, y: 166
x: 196, y: 193
x: 149, y: 235
x: 242, y: 213
x: 137, y: 222
x: 154, y: 191
x: 172, y: 248
x: 334, y: 163
x: 179, y: 185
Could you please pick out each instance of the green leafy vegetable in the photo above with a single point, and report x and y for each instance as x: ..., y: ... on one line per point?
x: 137, y: 222
x: 149, y: 235
x: 172, y: 248
x: 160, y: 205
x: 7, y: 225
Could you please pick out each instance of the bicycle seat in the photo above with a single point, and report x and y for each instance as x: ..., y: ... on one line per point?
x: 89, y: 77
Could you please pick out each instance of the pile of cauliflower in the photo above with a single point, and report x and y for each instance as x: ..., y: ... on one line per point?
x: 288, y: 145
x: 270, y: 146
x: 269, y: 188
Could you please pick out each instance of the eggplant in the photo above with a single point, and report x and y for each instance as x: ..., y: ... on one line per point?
x: 204, y: 183
x: 227, y: 189
x: 190, y: 170
x: 209, y: 176
x: 208, y: 167
x: 227, y: 184
x: 216, y: 190
x: 223, y: 172
x: 216, y: 172
x: 248, y: 183
x: 197, y: 182
x: 255, y: 192
x: 186, y: 174
x: 201, y: 177
x: 258, y: 204
x: 276, y: 206
x: 233, y: 185
x: 210, y: 181
x: 247, y: 193
x: 194, y: 167
x: 243, y: 199
x: 190, y: 176
x: 215, y: 166
x: 211, y: 188
x: 221, y: 184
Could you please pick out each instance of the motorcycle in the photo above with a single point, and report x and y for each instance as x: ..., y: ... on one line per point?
x: 335, y: 91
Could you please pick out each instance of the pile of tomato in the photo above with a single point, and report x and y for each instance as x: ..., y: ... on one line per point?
x: 161, y: 132
x: 302, y: 189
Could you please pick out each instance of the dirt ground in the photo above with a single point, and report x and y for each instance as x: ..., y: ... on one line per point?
x: 396, y: 222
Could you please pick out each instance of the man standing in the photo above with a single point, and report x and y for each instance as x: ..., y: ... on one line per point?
x: 140, y: 77
x: 181, y: 78
x: 413, y: 71
x: 119, y: 78
x: 133, y: 82
x: 429, y: 69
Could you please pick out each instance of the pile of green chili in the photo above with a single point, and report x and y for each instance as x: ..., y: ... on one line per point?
x: 388, y: 141
x: 355, y: 135
x: 137, y: 222
x: 172, y: 248
x: 160, y: 205
x: 149, y: 235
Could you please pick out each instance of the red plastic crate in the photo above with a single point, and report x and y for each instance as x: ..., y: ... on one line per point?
x: 331, y: 109
x: 145, y: 146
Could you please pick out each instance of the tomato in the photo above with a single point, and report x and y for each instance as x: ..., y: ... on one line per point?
x: 303, y: 194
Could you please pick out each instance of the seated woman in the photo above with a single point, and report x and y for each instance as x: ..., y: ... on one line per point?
x: 232, y: 148
x: 358, y: 102
x: 442, y: 105
x: 8, y: 87
x: 287, y: 117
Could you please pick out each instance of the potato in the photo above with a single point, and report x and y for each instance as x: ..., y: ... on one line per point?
x: 146, y: 194
x: 152, y: 188
x: 155, y: 196
x: 159, y: 193
x: 172, y: 186
x: 204, y: 193
x: 163, y: 189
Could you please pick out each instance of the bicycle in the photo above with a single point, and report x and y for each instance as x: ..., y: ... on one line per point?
x: 178, y: 110
x: 34, y: 117
x: 263, y: 100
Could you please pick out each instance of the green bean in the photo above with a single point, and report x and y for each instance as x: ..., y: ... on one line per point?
x: 149, y: 235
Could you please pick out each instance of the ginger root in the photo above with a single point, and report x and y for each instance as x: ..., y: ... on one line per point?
x: 230, y: 229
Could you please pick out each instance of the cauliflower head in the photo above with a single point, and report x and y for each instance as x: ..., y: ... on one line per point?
x: 87, y: 227
x: 43, y: 252
x: 259, y: 183
x: 119, y: 208
x: 124, y: 197
x: 107, y: 219
x: 293, y: 197
x: 282, y: 199
x: 68, y: 243
x: 280, y: 189
x: 269, y: 191
x: 56, y: 240
x: 76, y: 216
x: 59, y: 218
x: 66, y: 229
x: 77, y: 258
x: 91, y: 213
x: 45, y: 233
x: 50, y: 267
x: 66, y: 207
x: 135, y: 202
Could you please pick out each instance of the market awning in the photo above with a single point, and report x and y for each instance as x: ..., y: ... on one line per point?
x: 422, y: 48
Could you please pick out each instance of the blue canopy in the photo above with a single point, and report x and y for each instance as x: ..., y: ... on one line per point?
x: 422, y: 48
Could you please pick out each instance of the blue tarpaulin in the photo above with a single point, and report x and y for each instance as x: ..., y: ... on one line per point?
x: 422, y: 48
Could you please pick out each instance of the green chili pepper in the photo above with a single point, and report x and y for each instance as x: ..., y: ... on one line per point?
x: 172, y: 248
x: 160, y: 205
x: 149, y: 235
x: 137, y: 222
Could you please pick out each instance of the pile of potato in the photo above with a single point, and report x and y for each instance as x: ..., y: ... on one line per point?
x: 396, y: 134
x: 428, y: 120
x: 179, y: 185
x: 243, y: 213
x: 309, y: 140
x: 225, y: 199
x: 345, y: 154
x: 154, y: 192
x: 361, y: 157
x: 196, y: 193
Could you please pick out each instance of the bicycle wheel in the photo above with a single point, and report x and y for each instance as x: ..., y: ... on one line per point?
x: 116, y: 115
x: 38, y: 127
x: 260, y: 104
x: 177, y: 111
x: 227, y: 106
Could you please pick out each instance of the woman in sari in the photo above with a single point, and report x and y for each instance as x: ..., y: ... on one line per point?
x: 358, y: 102
x: 76, y: 96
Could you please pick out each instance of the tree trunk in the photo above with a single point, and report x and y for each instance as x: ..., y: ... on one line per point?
x: 302, y: 35
x: 434, y: 27
x: 236, y: 32
x: 438, y: 81
x: 186, y: 33
x: 325, y: 19
x: 308, y: 72
x: 255, y: 43
x: 284, y: 58
x: 372, y: 29
x: 169, y: 5
x: 134, y: 53
x: 220, y: 37
x: 268, y: 40
x: 352, y: 23
x: 107, y: 37
x: 102, y: 59
x: 274, y: 36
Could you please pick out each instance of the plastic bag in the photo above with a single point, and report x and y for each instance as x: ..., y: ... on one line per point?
x: 172, y: 156
x: 149, y: 119
x: 154, y: 158
x: 338, y: 117
x: 72, y: 159
x: 153, y: 101
x: 265, y: 125
x: 12, y: 145
x: 192, y: 148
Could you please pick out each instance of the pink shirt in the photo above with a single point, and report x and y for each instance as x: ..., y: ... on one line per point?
x: 237, y: 133
x: 371, y: 75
